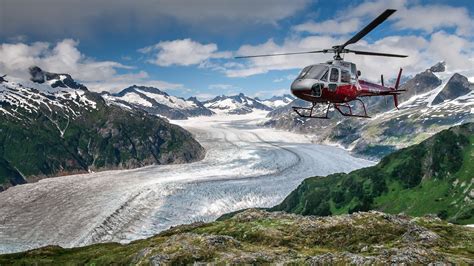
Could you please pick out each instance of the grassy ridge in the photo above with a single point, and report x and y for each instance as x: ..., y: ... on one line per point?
x: 256, y: 236
x: 433, y: 177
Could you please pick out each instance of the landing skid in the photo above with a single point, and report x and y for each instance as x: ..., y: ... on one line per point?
x: 303, y: 111
x: 337, y: 106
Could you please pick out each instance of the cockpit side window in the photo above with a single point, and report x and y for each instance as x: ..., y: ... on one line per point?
x: 345, y: 76
x: 334, y: 77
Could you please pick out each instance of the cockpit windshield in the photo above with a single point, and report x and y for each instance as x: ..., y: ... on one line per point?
x: 313, y: 72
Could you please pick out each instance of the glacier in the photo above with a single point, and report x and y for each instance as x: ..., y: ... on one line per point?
x: 245, y: 166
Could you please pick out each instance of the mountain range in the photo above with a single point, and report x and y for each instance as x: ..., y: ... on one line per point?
x: 237, y: 104
x: 157, y: 102
x: 52, y: 125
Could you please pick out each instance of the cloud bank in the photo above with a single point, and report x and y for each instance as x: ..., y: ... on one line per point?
x: 64, y: 57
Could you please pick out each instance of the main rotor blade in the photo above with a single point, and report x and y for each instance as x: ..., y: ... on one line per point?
x: 265, y: 55
x: 372, y: 25
x: 374, y: 53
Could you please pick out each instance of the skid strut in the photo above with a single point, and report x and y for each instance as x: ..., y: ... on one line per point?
x: 303, y: 111
x: 338, y: 106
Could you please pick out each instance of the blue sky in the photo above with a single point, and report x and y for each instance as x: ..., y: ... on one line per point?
x: 187, y: 47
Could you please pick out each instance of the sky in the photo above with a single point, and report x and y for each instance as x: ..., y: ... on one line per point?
x: 187, y: 48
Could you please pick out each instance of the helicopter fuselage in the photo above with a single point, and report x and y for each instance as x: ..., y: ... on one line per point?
x: 334, y: 82
x: 337, y: 83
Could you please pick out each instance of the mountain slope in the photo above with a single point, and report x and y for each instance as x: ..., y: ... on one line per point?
x: 258, y: 237
x: 155, y: 101
x: 433, y: 177
x: 237, y: 104
x: 54, y: 126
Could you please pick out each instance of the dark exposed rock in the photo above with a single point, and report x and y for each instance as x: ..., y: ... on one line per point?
x: 421, y: 83
x: 37, y: 74
x: 439, y: 67
x: 60, y: 80
x: 458, y: 85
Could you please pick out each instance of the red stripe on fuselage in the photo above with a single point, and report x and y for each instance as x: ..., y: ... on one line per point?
x: 343, y: 93
x: 372, y: 89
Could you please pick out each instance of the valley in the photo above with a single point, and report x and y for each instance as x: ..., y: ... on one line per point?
x: 245, y: 166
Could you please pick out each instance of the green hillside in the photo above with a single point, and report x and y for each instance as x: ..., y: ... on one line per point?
x: 433, y: 177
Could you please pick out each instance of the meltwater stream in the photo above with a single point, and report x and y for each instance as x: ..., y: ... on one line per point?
x: 245, y: 166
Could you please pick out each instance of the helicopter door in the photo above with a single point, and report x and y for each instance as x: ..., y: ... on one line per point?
x: 333, y: 79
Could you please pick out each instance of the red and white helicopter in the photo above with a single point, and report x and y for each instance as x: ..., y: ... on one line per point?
x: 336, y: 83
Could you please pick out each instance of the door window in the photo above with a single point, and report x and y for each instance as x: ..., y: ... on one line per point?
x: 334, y: 77
x: 345, y: 76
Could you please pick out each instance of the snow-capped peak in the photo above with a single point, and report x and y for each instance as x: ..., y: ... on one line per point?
x: 54, y: 79
x: 236, y: 104
x: 150, y: 96
x: 50, y: 92
x: 277, y: 101
x: 158, y: 102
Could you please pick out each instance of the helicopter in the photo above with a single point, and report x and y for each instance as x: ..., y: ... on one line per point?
x: 336, y: 83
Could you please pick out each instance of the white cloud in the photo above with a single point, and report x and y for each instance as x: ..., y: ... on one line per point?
x: 331, y: 26
x: 430, y: 18
x: 373, y: 8
x: 183, y: 52
x: 224, y: 87
x: 117, y: 83
x: 265, y: 94
x: 427, y: 18
x: 286, y: 78
x: 64, y: 57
